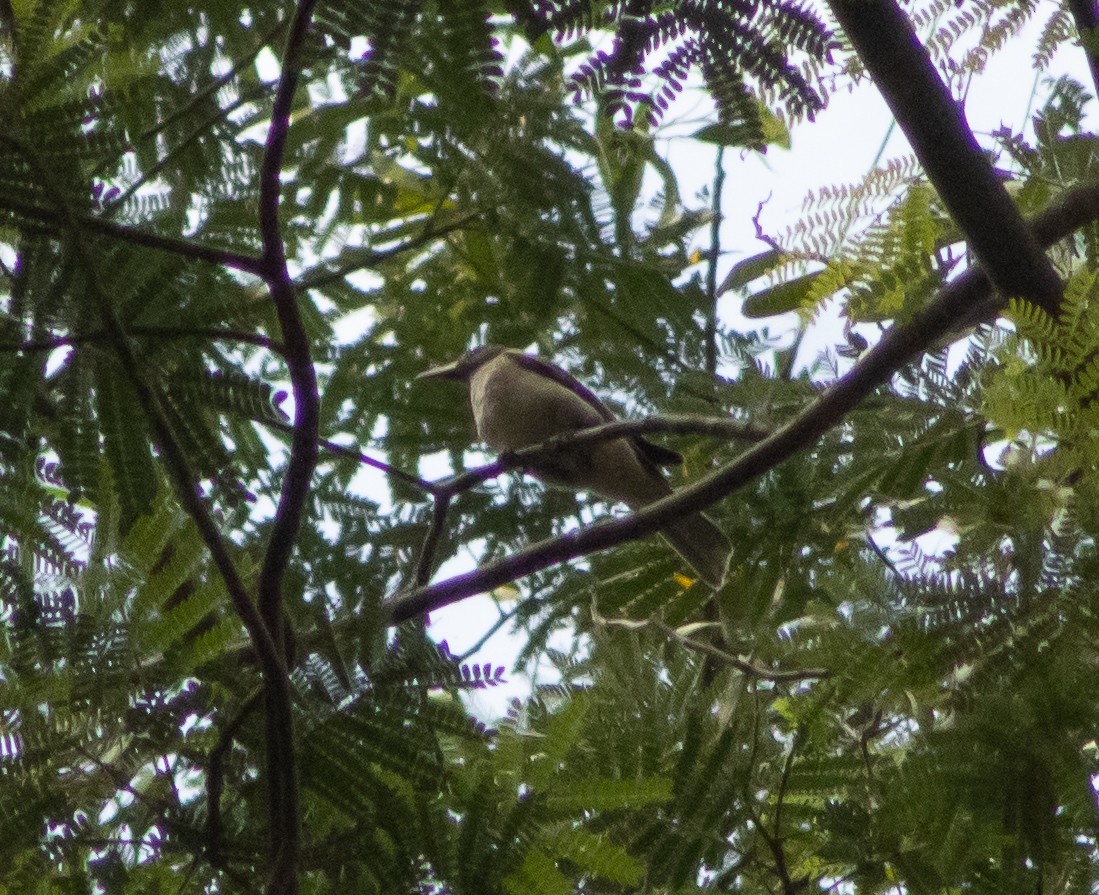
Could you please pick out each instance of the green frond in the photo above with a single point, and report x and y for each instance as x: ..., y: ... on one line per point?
x: 125, y: 440
x: 539, y: 875
x: 1050, y: 377
x: 388, y: 27
x: 729, y: 43
x: 594, y: 855
x: 944, y: 25
x: 1058, y: 30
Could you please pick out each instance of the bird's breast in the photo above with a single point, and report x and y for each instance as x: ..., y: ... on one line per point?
x: 514, y: 408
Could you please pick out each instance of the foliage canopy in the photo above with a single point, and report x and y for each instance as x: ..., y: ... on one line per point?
x: 218, y: 285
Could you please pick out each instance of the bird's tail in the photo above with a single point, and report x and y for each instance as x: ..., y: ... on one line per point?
x: 694, y: 537
x: 702, y: 545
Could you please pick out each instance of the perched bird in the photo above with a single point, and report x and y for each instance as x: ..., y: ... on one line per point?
x: 519, y: 400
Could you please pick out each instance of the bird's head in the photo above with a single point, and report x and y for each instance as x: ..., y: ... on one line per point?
x: 465, y: 366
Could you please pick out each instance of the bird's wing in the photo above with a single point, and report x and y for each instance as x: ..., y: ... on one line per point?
x: 653, y: 453
x: 657, y: 453
x: 554, y: 372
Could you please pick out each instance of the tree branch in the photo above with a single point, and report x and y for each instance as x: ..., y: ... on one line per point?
x: 748, y: 669
x: 213, y: 333
x: 426, y: 563
x: 215, y: 779
x: 671, y: 424
x: 712, y: 258
x: 183, y: 247
x: 349, y: 261
x: 1086, y: 18
x: 281, y: 763
x: 341, y: 450
x: 961, y: 173
x: 966, y: 301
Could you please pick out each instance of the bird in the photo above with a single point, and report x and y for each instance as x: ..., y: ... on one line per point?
x: 519, y: 400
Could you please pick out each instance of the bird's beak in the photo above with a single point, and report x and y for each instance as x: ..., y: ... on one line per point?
x: 444, y: 371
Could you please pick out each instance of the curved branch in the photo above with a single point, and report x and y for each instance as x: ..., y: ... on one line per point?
x: 964, y: 302
x: 282, y: 773
x: 303, y: 377
x: 748, y: 669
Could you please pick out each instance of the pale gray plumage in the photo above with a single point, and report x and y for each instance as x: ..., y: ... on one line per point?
x: 519, y: 400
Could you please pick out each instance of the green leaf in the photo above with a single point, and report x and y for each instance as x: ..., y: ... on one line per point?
x: 767, y: 130
x: 125, y: 442
x: 780, y: 298
x: 608, y: 795
x: 596, y: 855
x: 752, y: 268
x: 538, y: 875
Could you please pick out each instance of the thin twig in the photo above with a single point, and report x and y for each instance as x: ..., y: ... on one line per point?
x: 670, y: 424
x: 964, y: 302
x: 504, y: 618
x: 790, y: 886
x: 181, y: 332
x: 711, y: 611
x: 713, y: 256
x: 354, y: 453
x: 147, y: 176
x: 184, y: 247
x: 783, y: 782
x: 885, y: 558
x: 431, y: 543
x: 350, y: 261
x: 195, y: 100
x: 749, y: 669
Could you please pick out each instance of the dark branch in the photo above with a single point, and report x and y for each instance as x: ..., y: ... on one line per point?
x: 748, y: 669
x: 171, y: 332
x: 215, y: 779
x: 966, y: 301
x: 183, y: 247
x: 671, y: 424
x: 961, y: 173
x: 1086, y: 17
x: 282, y: 780
x: 303, y: 450
x: 342, y: 450
x: 351, y: 260
x: 426, y: 564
